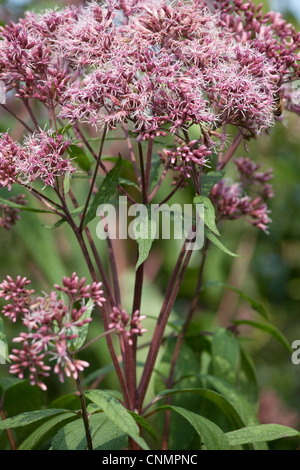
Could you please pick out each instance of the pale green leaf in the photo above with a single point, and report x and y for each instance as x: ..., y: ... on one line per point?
x: 209, y: 216
x: 260, y: 433
x: 216, y: 241
x: 268, y: 328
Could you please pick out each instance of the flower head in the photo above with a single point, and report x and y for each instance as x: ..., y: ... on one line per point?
x: 10, y: 214
x: 126, y: 327
x: 52, y: 326
x: 163, y: 66
x: 246, y: 198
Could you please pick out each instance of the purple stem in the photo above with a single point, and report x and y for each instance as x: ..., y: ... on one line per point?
x: 93, y: 179
x: 170, y: 297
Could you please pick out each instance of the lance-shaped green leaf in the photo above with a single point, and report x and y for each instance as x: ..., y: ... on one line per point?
x: 75, y: 213
x: 3, y: 344
x: 209, y: 218
x: 48, y: 428
x: 268, y: 328
x: 64, y: 129
x: 260, y: 433
x: 78, y: 155
x: 116, y: 412
x: 216, y: 241
x: 210, y: 434
x: 209, y: 179
x: 225, y: 355
x: 154, y: 173
x: 144, y: 424
x: 67, y: 180
x: 254, y: 304
x: 83, y: 330
x: 29, y: 417
x: 214, y: 397
x: 105, y: 435
x: 144, y: 232
x: 240, y: 403
x: 14, y: 205
x: 106, y: 191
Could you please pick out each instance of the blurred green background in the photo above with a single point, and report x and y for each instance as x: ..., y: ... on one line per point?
x: 269, y: 270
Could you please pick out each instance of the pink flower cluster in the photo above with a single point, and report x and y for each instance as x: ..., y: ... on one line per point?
x: 120, y: 321
x: 40, y: 157
x: 9, y: 155
x: 160, y: 66
x: 163, y: 67
x: 8, y: 214
x: 247, y: 198
x: 27, y: 62
x: 268, y: 34
x: 52, y: 326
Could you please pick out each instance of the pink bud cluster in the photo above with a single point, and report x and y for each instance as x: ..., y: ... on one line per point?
x: 52, y: 326
x: 18, y: 294
x: 246, y: 198
x: 76, y: 289
x: 128, y: 329
x: 9, y: 215
x: 184, y: 155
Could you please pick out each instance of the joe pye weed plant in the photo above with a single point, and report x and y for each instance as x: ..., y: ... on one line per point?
x: 180, y: 86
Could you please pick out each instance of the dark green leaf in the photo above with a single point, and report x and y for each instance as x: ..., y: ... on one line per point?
x: 7, y: 382
x: 64, y: 129
x: 20, y: 396
x: 218, y: 399
x: 125, y: 163
x: 154, y: 173
x: 44, y: 431
x: 105, y: 435
x: 144, y: 232
x: 144, y: 424
x: 126, y: 182
x: 240, y: 403
x: 225, y: 355
x: 210, y: 434
x: 208, y: 181
x: 116, y: 412
x: 247, y: 378
x: 29, y: 417
x: 78, y: 155
x: 105, y: 192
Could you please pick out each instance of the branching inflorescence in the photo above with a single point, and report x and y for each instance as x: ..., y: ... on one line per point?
x: 184, y: 73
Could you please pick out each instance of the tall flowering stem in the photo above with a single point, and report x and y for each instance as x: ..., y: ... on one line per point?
x: 169, y: 74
